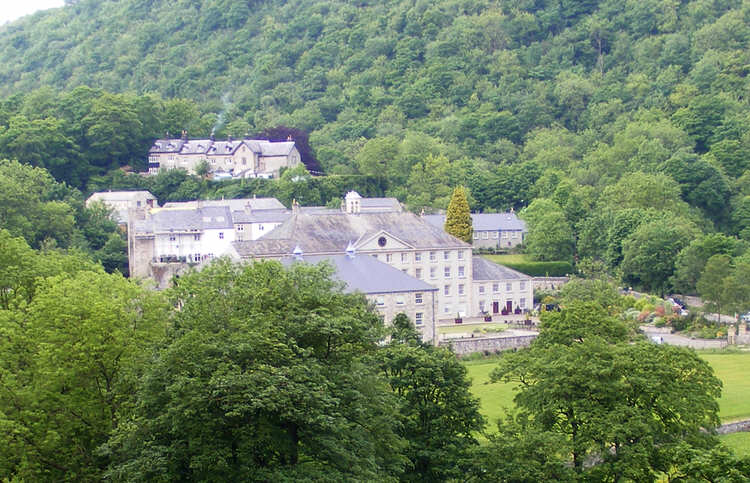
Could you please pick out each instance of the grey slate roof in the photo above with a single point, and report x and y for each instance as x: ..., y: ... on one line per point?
x: 379, y: 204
x: 163, y: 220
x: 261, y: 216
x: 363, y: 273
x: 221, y: 148
x: 331, y: 233
x: 237, y: 204
x: 484, y: 269
x: 120, y: 196
x: 486, y: 221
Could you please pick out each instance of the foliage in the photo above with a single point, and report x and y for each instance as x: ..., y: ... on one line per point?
x: 458, y: 217
x: 439, y: 416
x: 68, y: 371
x: 631, y: 407
x: 269, y: 384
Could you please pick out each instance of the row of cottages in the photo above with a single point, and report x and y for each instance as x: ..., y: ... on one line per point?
x: 240, y: 158
x: 491, y: 230
x: 397, y: 259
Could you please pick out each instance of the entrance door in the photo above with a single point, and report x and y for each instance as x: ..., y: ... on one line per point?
x: 509, y: 306
x: 495, y: 307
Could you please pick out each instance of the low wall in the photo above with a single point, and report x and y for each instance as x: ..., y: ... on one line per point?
x: 735, y: 427
x: 488, y: 343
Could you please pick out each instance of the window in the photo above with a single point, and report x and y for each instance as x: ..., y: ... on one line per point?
x: 509, y: 286
x: 197, y: 257
x: 515, y: 234
x: 405, y: 270
x: 495, y: 234
x: 447, y: 290
x: 522, y: 303
x: 242, y: 227
x: 404, y: 257
x: 495, y: 287
x: 446, y: 255
x: 399, y: 300
x: 447, y: 309
x: 481, y: 289
x: 505, y: 234
x: 375, y: 256
x: 171, y: 238
x: 481, y: 305
x: 460, y: 254
x: 418, y: 256
x: 476, y: 235
x: 138, y: 204
x: 433, y: 256
x: 417, y: 298
x: 418, y: 273
x: 461, y: 273
x: 485, y: 235
x: 418, y: 318
x: 380, y: 300
x: 433, y: 272
x: 447, y: 271
x: 460, y: 289
x: 523, y: 286
x: 221, y: 235
x: 388, y: 258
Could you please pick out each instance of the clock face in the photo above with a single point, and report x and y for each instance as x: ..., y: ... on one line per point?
x: 382, y: 241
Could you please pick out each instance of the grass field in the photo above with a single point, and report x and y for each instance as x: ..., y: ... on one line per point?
x: 468, y: 329
x: 739, y: 442
x: 730, y: 367
x: 517, y: 258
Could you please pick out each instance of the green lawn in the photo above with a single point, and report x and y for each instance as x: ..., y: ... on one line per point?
x: 517, y: 258
x: 739, y: 442
x: 492, y: 328
x: 731, y: 368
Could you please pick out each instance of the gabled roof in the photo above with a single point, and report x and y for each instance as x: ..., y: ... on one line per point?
x: 485, y: 270
x: 318, y: 234
x: 485, y: 221
x: 261, y: 216
x: 166, y: 146
x: 162, y: 220
x: 221, y: 148
x: 364, y: 273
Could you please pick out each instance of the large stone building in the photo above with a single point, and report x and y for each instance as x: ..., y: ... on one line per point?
x: 399, y: 260
x: 239, y: 158
x: 491, y: 230
x: 406, y: 242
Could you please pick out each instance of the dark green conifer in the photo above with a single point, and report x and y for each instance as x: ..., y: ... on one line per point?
x: 458, y: 218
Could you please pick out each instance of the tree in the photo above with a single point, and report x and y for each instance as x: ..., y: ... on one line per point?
x: 649, y: 253
x: 439, y: 416
x: 550, y: 236
x: 622, y: 409
x: 712, y: 283
x: 458, y: 217
x: 68, y: 367
x: 263, y: 378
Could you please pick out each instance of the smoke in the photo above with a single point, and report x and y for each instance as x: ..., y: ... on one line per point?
x: 221, y: 118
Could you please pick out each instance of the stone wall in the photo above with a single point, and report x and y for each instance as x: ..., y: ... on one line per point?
x: 489, y: 344
x: 549, y: 283
x: 734, y: 427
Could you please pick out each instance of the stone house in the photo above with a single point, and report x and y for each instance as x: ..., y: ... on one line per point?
x: 122, y: 202
x: 498, y: 290
x: 240, y: 158
x: 491, y: 230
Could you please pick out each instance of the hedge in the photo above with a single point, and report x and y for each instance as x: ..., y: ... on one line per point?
x: 541, y: 269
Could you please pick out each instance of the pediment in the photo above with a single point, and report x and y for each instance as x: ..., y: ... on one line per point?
x: 381, y: 240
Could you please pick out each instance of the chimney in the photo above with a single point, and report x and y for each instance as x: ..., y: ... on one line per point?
x: 352, y: 200
x: 212, y: 137
x: 295, y: 207
x: 229, y: 138
x: 184, y: 135
x: 289, y: 138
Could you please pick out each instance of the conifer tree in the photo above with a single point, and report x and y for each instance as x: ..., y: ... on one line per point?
x: 458, y: 218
